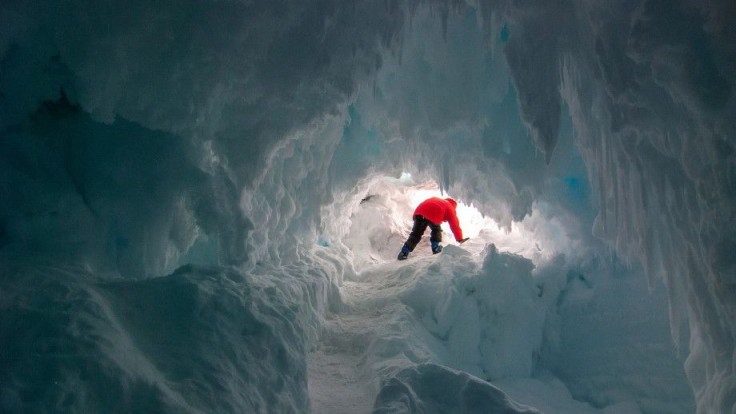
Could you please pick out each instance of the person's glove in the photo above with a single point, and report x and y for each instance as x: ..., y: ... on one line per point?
x: 464, y: 240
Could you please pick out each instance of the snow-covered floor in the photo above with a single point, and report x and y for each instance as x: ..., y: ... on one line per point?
x: 479, y: 313
x: 340, y: 377
x: 377, y: 334
x: 336, y: 384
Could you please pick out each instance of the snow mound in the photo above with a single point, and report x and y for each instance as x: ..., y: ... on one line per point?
x: 198, y: 340
x: 431, y: 388
x: 489, y: 318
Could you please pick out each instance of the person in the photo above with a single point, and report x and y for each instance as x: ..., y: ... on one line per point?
x: 432, y: 212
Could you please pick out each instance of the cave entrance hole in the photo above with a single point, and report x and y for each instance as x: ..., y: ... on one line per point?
x: 381, y: 220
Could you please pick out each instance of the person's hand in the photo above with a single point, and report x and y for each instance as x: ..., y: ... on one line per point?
x: 464, y: 240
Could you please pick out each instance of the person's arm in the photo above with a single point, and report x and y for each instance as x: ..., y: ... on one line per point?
x: 454, y: 225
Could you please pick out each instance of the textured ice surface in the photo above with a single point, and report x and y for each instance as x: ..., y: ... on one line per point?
x: 240, y: 137
x: 198, y: 340
x: 496, y: 317
x: 429, y: 388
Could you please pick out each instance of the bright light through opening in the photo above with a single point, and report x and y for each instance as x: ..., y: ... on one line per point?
x: 481, y: 230
x: 382, y: 221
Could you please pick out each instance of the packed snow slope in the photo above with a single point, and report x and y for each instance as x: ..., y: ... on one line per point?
x: 180, y: 184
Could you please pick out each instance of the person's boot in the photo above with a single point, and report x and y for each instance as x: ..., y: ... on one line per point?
x: 404, y: 253
x: 436, y: 248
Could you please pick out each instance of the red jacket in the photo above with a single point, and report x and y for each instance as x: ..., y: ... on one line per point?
x: 437, y: 210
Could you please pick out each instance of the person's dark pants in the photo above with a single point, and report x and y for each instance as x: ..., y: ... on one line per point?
x: 420, y: 225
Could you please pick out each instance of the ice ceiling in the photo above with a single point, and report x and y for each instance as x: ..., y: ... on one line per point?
x: 138, y: 137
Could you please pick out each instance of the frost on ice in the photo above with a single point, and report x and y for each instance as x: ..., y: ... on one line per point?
x: 201, y: 206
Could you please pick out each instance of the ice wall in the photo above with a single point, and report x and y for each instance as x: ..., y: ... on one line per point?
x: 648, y: 86
x: 140, y: 137
x: 225, y: 85
x: 662, y: 149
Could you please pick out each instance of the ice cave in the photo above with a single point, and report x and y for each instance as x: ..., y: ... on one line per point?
x: 202, y: 202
